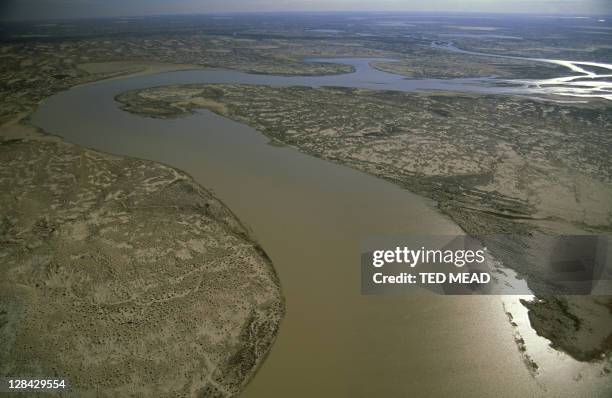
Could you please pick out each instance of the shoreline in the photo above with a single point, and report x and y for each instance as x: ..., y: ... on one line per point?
x: 491, y: 212
x: 20, y: 133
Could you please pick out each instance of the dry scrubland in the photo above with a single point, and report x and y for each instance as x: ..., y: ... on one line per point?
x: 521, y: 162
x: 496, y: 164
x: 132, y: 269
x: 33, y: 70
x: 126, y: 277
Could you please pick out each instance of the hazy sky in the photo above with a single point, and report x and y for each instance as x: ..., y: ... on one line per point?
x: 41, y: 9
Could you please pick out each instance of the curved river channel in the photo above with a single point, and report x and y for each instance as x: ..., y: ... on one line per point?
x: 310, y: 215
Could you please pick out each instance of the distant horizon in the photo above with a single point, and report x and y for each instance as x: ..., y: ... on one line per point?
x: 330, y: 12
x: 32, y: 10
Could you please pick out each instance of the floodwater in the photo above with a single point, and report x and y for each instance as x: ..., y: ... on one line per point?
x: 310, y: 215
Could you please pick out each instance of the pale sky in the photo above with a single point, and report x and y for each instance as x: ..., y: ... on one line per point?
x: 43, y: 9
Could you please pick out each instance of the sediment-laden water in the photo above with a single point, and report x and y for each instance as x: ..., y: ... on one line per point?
x: 310, y: 215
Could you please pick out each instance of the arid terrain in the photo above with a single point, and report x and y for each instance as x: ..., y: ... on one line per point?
x: 142, y: 281
x: 39, y: 60
x: 476, y: 156
x: 145, y: 284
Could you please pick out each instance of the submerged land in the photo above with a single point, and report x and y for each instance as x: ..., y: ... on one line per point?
x: 158, y: 285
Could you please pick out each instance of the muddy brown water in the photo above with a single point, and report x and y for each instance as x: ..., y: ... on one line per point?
x: 309, y: 215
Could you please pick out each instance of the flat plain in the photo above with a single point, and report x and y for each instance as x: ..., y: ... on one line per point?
x: 146, y: 270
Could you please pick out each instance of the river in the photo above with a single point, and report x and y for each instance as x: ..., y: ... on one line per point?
x: 309, y: 215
